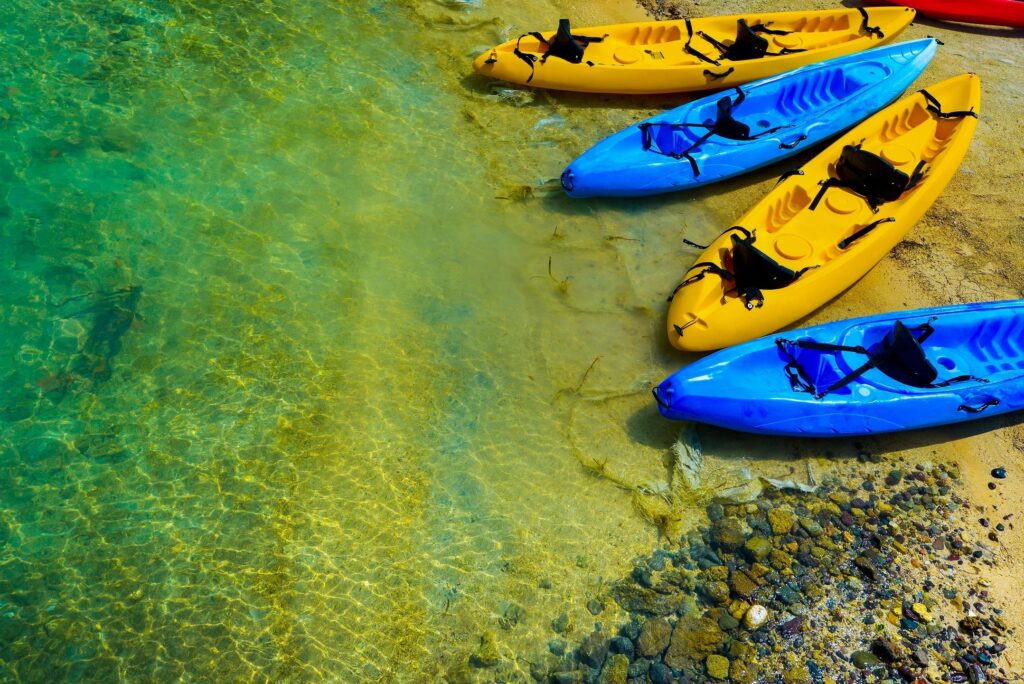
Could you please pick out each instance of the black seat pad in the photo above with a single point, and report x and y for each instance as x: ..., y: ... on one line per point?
x: 869, y: 175
x: 748, y: 45
x: 565, y: 45
x: 753, y: 268
x: 902, y: 358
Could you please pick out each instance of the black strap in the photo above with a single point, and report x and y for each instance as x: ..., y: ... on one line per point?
x: 709, y: 267
x: 689, y: 49
x: 529, y: 58
x: 846, y: 242
x: 870, y: 30
x: 763, y: 28
x: 746, y: 233
x: 825, y: 185
x: 714, y: 41
x: 936, y: 107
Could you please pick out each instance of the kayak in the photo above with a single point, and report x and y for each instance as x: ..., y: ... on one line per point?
x: 825, y: 225
x: 993, y: 12
x: 882, y: 373
x: 683, y: 54
x: 725, y: 135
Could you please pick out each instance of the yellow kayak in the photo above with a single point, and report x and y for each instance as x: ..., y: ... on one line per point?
x: 825, y: 225
x: 683, y: 54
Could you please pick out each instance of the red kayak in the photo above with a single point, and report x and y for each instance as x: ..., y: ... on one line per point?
x: 994, y: 12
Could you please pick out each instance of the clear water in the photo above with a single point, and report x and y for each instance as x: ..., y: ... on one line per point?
x: 288, y: 392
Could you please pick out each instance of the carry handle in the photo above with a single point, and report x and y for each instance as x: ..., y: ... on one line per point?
x: 978, y: 409
x: 793, y: 143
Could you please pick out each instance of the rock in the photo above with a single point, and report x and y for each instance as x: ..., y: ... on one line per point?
x: 920, y: 656
x: 789, y: 594
x: 717, y: 666
x: 921, y: 611
x: 740, y: 672
x: 868, y: 568
x: 563, y: 624
x: 511, y: 614
x: 970, y: 624
x: 654, y: 637
x: 728, y: 622
x: 886, y: 651
x: 570, y: 677
x: 743, y: 585
x: 486, y: 654
x: 999, y: 473
x: 615, y: 670
x: 791, y: 627
x: 593, y: 650
x: 863, y: 660
x: 638, y: 599
x: 621, y: 645
x: 557, y: 647
x: 728, y: 534
x: 692, y: 641
x: 715, y: 512
x: 797, y: 675
x: 756, y: 616
x: 781, y: 520
x: 811, y: 526
x: 757, y: 548
x: 595, y: 606
x: 660, y: 674
x: 716, y: 592
x: 638, y: 668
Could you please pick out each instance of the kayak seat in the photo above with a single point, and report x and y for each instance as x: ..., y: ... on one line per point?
x: 563, y: 45
x: 902, y: 358
x: 898, y: 355
x: 748, y: 44
x: 664, y: 139
x: 755, y: 271
x: 748, y: 267
x: 870, y: 176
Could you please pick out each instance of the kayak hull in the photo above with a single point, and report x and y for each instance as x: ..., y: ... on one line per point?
x: 832, y: 235
x: 747, y: 388
x: 807, y: 106
x: 644, y: 58
x: 989, y: 12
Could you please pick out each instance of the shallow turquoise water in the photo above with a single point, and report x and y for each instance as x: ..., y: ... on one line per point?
x: 284, y: 372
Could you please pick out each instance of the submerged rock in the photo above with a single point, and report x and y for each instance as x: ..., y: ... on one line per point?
x: 717, y: 667
x: 654, y: 637
x: 615, y: 670
x: 486, y: 654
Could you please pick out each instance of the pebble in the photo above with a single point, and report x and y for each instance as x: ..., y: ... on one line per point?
x: 999, y: 473
x: 755, y: 617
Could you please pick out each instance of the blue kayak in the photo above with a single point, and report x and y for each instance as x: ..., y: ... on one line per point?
x: 893, y: 371
x: 743, y: 129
